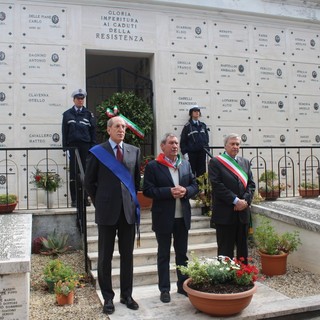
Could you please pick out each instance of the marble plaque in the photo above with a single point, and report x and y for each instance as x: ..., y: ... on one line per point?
x: 270, y: 42
x: 120, y: 27
x: 182, y: 100
x: 272, y: 109
x: 188, y: 33
x: 230, y: 38
x: 304, y: 45
x: 47, y: 62
x: 9, y: 175
x: 6, y: 102
x: 43, y: 22
x: 273, y: 136
x: 233, y: 106
x: 305, y: 78
x: 41, y: 100
x: 188, y: 69
x: 232, y: 72
x: 6, y: 62
x: 271, y: 75
x: 307, y: 136
x: 306, y: 110
x: 41, y: 135
x: 220, y: 132
x: 6, y: 22
x: 7, y: 138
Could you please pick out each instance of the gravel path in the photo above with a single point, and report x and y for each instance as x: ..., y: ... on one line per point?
x: 296, y: 283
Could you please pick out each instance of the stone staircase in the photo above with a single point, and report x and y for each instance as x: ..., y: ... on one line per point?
x: 202, y: 241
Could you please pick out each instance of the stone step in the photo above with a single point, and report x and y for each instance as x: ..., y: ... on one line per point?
x: 197, y: 222
x: 148, y: 239
x: 148, y: 256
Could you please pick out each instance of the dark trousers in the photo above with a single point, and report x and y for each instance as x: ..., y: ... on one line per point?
x: 83, y: 148
x: 198, y: 162
x: 180, y: 245
x: 126, y: 236
x: 231, y: 235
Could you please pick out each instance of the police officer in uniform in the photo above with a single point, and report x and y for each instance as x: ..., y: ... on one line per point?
x: 78, y: 130
x: 194, y: 138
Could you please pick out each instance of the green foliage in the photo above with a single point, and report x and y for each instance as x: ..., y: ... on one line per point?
x: 268, y: 241
x: 67, y: 285
x: 309, y: 186
x: 133, y: 108
x: 56, y: 270
x: 49, y: 181
x: 270, y: 181
x: 204, y: 196
x: 54, y: 244
x: 8, y: 199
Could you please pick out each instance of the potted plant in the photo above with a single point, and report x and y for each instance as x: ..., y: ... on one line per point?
x: 274, y: 247
x: 308, y: 189
x: 270, y: 188
x: 204, y: 196
x: 65, y: 289
x: 8, y: 202
x: 54, y: 244
x: 54, y: 271
x: 219, y: 286
x: 48, y: 181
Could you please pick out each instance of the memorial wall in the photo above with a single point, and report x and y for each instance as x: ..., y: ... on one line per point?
x: 255, y: 74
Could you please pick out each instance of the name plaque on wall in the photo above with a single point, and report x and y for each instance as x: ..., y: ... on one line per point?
x: 306, y: 110
x: 6, y: 102
x: 308, y: 136
x: 43, y: 61
x: 305, y: 78
x: 220, y: 132
x: 188, y: 69
x: 41, y: 100
x: 272, y: 109
x: 118, y: 26
x: 269, y: 42
x: 271, y: 75
x: 6, y: 62
x: 230, y: 38
x: 272, y: 136
x: 304, y: 45
x: 7, y: 137
x: 233, y: 106
x: 232, y: 72
x: 43, y: 22
x: 188, y: 33
x: 6, y: 22
x: 41, y: 135
x: 182, y: 100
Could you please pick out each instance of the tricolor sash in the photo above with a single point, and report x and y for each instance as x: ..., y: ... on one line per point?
x: 119, y: 170
x: 234, y: 167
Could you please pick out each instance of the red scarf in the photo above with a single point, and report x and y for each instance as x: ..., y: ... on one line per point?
x: 162, y: 159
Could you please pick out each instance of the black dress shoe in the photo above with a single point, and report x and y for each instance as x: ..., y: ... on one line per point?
x: 165, y: 297
x: 108, y: 307
x: 130, y: 303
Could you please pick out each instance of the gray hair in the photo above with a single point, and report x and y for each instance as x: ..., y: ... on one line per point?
x: 231, y: 136
x: 111, y: 121
x: 166, y: 136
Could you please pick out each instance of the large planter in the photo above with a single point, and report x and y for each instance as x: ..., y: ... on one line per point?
x: 7, y: 208
x: 145, y: 202
x: 270, y: 195
x: 62, y: 299
x: 219, y: 304
x: 309, y: 193
x: 273, y: 265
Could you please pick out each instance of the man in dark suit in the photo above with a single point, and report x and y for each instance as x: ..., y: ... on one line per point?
x: 115, y: 208
x: 233, y: 189
x: 169, y: 181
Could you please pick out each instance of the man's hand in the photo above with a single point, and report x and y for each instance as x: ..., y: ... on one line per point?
x: 178, y: 192
x: 240, y: 205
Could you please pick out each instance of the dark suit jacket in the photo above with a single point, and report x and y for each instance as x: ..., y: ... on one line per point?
x: 105, y: 189
x: 226, y: 186
x: 157, y: 184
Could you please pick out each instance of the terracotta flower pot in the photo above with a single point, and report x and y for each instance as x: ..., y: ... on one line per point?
x: 145, y: 202
x: 62, y: 299
x: 273, y: 265
x: 309, y: 193
x: 7, y: 208
x: 219, y: 304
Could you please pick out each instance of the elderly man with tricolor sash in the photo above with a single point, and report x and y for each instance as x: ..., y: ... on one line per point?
x: 233, y: 190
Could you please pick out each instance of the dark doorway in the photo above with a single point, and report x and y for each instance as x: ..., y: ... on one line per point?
x: 109, y: 74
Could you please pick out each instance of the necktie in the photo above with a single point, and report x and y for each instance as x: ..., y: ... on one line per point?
x: 119, y: 154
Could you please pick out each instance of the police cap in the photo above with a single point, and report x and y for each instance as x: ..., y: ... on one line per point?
x: 79, y: 93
